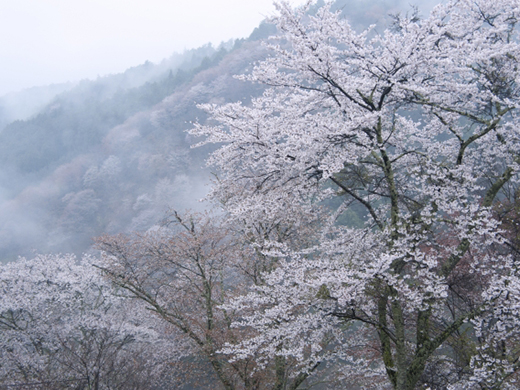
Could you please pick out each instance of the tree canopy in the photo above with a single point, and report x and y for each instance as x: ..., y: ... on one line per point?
x: 418, y: 127
x: 62, y: 326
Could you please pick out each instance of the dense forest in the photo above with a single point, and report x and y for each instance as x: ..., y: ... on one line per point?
x: 111, y: 155
x: 359, y: 165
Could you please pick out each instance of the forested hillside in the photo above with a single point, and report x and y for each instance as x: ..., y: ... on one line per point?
x: 111, y: 155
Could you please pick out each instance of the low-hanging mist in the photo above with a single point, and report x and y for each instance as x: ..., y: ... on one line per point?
x: 111, y: 155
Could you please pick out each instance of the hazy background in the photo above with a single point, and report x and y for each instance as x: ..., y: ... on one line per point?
x: 54, y: 41
x: 95, y: 100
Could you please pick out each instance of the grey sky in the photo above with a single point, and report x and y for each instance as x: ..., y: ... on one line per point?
x: 53, y: 41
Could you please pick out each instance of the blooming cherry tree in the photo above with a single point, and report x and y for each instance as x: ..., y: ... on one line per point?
x: 182, y: 272
x: 418, y: 126
x: 186, y: 270
x: 63, y: 325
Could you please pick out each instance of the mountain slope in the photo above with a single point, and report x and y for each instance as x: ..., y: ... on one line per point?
x: 112, y: 155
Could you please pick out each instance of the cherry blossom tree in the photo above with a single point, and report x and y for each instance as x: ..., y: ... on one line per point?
x: 187, y: 269
x: 182, y: 271
x: 63, y: 326
x: 417, y: 126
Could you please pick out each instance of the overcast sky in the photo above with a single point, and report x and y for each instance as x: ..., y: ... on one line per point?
x: 54, y: 41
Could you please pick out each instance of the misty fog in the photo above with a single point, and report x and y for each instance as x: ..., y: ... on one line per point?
x: 111, y: 155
